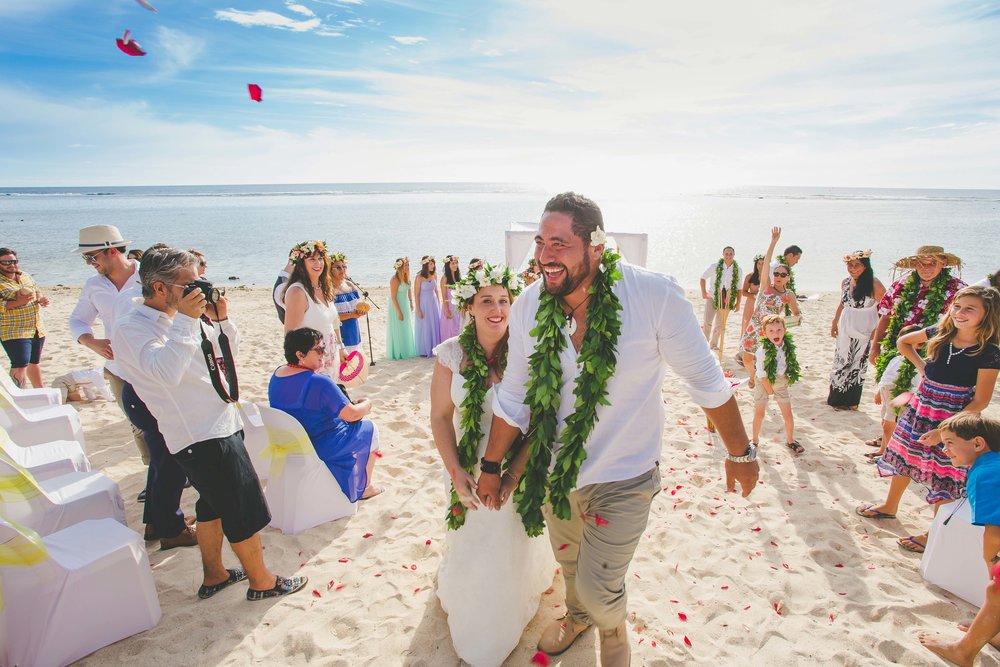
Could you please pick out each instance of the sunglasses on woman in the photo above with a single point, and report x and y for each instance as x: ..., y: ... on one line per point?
x: 780, y: 274
x: 319, y: 349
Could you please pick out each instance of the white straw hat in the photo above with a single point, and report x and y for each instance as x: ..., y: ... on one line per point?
x: 99, y: 237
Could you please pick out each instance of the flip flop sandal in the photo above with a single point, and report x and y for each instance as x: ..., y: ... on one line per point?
x: 869, y: 512
x: 238, y: 574
x: 379, y: 490
x: 795, y: 446
x: 282, y: 586
x: 911, y: 543
x: 874, y: 442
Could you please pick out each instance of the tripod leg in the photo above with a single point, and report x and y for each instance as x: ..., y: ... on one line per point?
x: 371, y: 352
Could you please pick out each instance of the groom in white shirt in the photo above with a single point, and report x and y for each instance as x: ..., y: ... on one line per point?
x: 620, y: 475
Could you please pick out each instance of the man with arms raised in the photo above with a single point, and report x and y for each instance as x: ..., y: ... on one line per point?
x: 589, y: 347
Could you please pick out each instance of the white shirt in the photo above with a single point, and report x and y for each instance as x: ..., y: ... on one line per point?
x: 162, y: 359
x: 97, y: 299
x: 891, y: 372
x: 727, y: 276
x: 658, y: 327
x: 780, y: 368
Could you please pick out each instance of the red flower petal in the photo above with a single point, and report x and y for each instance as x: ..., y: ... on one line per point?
x: 682, y: 616
x: 756, y: 529
x: 563, y: 546
x: 340, y: 587
x: 329, y: 585
x: 540, y: 659
x: 839, y: 565
x: 366, y: 535
x: 428, y: 542
x: 413, y: 567
x: 317, y: 593
x: 344, y: 560
x: 686, y: 640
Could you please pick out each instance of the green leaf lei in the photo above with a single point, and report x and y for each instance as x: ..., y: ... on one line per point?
x: 792, y: 371
x: 733, y: 287
x: 598, y: 360
x: 936, y: 296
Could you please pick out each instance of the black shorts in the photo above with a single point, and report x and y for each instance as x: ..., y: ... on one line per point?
x: 221, y: 472
x: 24, y: 351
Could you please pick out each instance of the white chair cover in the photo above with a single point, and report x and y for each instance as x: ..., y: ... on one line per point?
x: 953, y: 558
x: 42, y: 424
x: 301, y: 491
x: 30, y: 398
x: 50, y: 505
x: 66, y: 595
x: 46, y: 460
x: 255, y: 438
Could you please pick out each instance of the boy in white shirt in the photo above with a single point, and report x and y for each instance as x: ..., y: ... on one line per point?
x: 776, y: 367
x: 883, y: 395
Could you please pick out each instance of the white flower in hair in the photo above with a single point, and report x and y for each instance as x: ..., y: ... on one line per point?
x: 598, y: 237
x: 480, y: 276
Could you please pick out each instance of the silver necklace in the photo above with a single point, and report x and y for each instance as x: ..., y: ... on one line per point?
x: 570, y: 327
x: 952, y: 352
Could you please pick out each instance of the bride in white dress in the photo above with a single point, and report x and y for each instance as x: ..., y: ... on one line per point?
x: 492, y: 574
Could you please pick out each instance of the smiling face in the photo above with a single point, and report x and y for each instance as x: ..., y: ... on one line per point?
x: 962, y: 452
x: 727, y: 256
x: 775, y: 332
x: 564, y: 259
x: 491, y: 308
x: 780, y: 277
x: 315, y: 263
x: 929, y: 267
x: 313, y: 359
x: 967, y: 312
x: 8, y: 265
x: 855, y: 268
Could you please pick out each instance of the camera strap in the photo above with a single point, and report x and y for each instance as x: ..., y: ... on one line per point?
x: 231, y: 395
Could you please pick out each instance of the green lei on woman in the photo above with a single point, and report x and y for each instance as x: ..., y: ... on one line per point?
x: 597, y: 357
x: 792, y: 370
x: 936, y: 296
x: 733, y: 287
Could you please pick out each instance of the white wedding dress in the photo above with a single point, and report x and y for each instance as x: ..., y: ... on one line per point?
x: 492, y: 574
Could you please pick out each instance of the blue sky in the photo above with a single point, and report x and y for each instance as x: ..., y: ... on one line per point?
x: 559, y: 93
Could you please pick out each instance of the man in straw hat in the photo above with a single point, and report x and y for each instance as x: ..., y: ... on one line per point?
x: 920, y: 298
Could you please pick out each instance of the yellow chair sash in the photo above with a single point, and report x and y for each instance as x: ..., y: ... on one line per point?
x: 20, y: 486
x: 24, y: 548
x: 281, y: 443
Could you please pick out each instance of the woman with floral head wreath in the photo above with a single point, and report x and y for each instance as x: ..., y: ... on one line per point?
x: 399, y: 342
x: 308, y: 299
x: 488, y: 555
x: 348, y: 302
x: 853, y: 324
x: 451, y: 318
x: 427, y: 326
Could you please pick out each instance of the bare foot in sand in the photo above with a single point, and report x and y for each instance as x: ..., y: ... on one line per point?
x: 995, y: 642
x: 946, y: 648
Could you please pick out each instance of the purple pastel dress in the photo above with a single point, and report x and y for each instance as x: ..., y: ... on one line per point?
x: 450, y: 327
x: 427, y: 331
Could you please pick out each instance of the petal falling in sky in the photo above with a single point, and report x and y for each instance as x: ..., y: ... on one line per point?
x: 255, y: 92
x: 128, y: 45
x: 146, y: 5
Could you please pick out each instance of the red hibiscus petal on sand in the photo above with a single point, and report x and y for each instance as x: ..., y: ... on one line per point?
x: 563, y: 546
x: 366, y: 535
x: 540, y: 659
x: 682, y: 616
x: 317, y: 593
x: 687, y: 641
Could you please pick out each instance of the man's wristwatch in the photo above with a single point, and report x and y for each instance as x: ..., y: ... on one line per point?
x: 489, y: 467
x: 749, y: 456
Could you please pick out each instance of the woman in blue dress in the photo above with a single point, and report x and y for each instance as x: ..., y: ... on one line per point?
x: 347, y: 298
x: 341, y: 436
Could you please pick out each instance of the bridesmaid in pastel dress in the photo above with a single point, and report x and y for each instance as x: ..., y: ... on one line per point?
x: 399, y: 342
x: 451, y: 318
x: 427, y: 326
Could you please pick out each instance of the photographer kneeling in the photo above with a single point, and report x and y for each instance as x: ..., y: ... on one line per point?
x: 159, y: 344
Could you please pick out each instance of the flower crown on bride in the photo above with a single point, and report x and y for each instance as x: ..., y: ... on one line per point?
x: 500, y: 274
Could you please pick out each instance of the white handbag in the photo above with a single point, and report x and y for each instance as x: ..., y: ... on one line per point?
x: 953, y: 558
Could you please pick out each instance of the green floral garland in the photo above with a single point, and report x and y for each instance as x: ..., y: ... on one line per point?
x: 936, y: 296
x: 792, y: 371
x: 733, y: 287
x: 597, y: 357
x: 476, y: 373
x: 790, y: 285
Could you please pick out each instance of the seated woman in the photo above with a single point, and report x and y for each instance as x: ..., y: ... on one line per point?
x: 342, y: 438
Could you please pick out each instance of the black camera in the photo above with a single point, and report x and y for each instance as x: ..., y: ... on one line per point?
x: 211, y: 292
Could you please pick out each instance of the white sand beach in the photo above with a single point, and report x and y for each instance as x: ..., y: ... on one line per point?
x: 790, y: 576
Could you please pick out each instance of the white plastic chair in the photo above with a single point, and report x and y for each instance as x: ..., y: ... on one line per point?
x: 31, y: 398
x: 47, y: 506
x: 46, y: 460
x: 953, y: 558
x: 34, y: 426
x: 255, y: 439
x: 72, y: 592
x: 301, y: 491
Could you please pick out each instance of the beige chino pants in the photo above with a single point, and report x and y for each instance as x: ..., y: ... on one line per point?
x: 595, y: 558
x: 116, y: 386
x: 711, y: 322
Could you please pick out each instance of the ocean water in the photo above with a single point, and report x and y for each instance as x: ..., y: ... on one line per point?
x: 246, y: 231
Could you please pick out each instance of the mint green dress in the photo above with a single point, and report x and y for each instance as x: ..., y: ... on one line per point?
x: 399, y: 343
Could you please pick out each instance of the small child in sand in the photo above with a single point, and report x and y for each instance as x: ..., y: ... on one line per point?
x: 884, y: 394
x: 973, y: 440
x: 776, y: 367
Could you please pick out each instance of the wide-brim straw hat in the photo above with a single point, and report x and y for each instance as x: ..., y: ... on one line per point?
x: 910, y: 261
x: 99, y: 237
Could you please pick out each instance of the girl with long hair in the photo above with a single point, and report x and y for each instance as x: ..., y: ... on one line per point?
x: 348, y: 302
x: 399, y: 330
x: 451, y: 318
x: 308, y: 299
x: 853, y: 324
x: 751, y: 286
x: 427, y: 326
x: 958, y: 374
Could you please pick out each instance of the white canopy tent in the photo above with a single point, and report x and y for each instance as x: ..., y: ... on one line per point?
x: 520, y: 240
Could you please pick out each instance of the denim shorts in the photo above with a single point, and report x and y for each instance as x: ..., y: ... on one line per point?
x: 24, y: 351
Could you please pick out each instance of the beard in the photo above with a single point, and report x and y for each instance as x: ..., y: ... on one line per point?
x: 571, y: 279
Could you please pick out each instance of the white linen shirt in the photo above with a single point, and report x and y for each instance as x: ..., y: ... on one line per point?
x: 97, y: 299
x: 162, y: 359
x: 658, y: 328
x: 727, y: 276
x: 781, y: 367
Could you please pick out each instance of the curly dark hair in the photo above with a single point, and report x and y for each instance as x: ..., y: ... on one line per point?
x: 300, y: 340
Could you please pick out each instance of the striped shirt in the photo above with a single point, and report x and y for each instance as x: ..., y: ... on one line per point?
x: 23, y: 321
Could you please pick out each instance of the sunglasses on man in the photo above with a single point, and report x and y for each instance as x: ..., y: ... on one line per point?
x: 8, y: 262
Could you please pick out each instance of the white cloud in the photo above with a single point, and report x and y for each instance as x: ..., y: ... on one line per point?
x: 266, y: 19
x: 409, y: 40
x: 177, y: 50
x: 299, y: 9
